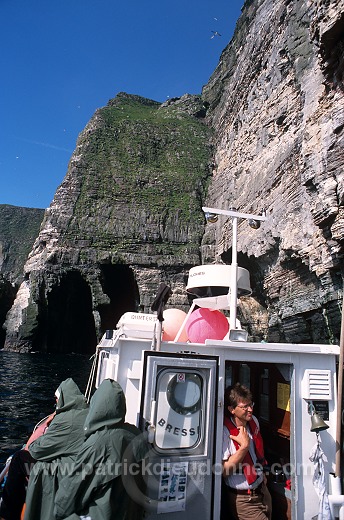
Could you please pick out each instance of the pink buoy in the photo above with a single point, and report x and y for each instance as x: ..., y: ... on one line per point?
x: 205, y: 324
x: 173, y: 319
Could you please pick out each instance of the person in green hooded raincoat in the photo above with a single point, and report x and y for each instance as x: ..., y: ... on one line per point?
x: 95, y: 489
x: 55, y: 451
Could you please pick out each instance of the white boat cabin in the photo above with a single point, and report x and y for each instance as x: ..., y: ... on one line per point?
x: 175, y: 392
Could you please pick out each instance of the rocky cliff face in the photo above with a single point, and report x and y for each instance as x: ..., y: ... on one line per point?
x: 19, y: 228
x: 128, y: 214
x: 126, y: 217
x: 277, y: 107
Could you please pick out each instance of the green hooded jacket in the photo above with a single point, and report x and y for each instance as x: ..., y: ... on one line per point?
x: 95, y: 488
x: 55, y: 451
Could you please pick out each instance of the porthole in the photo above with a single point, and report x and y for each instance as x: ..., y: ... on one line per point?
x: 184, y: 393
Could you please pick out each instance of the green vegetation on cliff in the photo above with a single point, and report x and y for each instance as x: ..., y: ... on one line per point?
x: 145, y: 172
x: 19, y: 228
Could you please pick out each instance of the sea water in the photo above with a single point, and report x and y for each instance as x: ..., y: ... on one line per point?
x: 27, y: 386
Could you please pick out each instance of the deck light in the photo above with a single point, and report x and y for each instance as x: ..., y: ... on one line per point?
x: 211, y: 217
x: 254, y: 224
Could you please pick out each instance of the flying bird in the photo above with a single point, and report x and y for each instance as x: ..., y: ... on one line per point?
x: 215, y: 33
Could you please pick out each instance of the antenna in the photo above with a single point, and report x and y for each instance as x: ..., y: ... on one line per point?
x: 211, y: 215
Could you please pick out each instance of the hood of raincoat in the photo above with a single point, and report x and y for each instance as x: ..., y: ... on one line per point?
x: 69, y: 396
x: 107, y: 407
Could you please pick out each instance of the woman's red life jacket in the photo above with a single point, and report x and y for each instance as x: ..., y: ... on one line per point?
x: 250, y: 472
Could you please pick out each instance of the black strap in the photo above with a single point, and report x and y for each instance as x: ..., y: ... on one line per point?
x: 164, y: 292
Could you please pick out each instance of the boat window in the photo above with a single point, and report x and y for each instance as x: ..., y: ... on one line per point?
x: 178, y: 409
x: 228, y: 375
x: 245, y: 375
x: 264, y: 394
x: 185, y: 398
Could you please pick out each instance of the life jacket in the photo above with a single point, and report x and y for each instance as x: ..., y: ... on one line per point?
x: 250, y: 471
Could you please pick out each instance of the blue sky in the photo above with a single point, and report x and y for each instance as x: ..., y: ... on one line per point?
x: 60, y: 60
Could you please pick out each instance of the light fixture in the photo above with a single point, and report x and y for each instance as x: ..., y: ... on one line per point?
x: 254, y: 224
x: 211, y: 217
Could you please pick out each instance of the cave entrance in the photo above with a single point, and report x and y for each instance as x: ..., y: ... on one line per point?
x: 119, y: 283
x: 70, y: 322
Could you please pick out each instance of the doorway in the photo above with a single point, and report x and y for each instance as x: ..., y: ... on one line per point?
x: 270, y: 385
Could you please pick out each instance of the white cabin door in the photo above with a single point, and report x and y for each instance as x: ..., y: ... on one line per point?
x: 178, y: 410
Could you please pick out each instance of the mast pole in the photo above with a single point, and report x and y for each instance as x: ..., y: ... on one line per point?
x: 340, y: 396
x: 234, y: 275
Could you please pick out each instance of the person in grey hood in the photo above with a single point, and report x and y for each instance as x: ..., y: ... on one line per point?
x: 95, y: 489
x: 55, y: 451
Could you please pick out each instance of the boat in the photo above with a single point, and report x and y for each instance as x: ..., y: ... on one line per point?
x: 175, y: 395
x: 174, y: 374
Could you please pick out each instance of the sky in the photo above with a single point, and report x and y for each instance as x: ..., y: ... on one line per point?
x: 60, y: 60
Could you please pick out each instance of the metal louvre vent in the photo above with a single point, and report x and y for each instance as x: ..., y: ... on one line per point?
x: 316, y: 385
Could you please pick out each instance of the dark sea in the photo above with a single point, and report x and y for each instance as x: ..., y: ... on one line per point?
x: 27, y: 386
